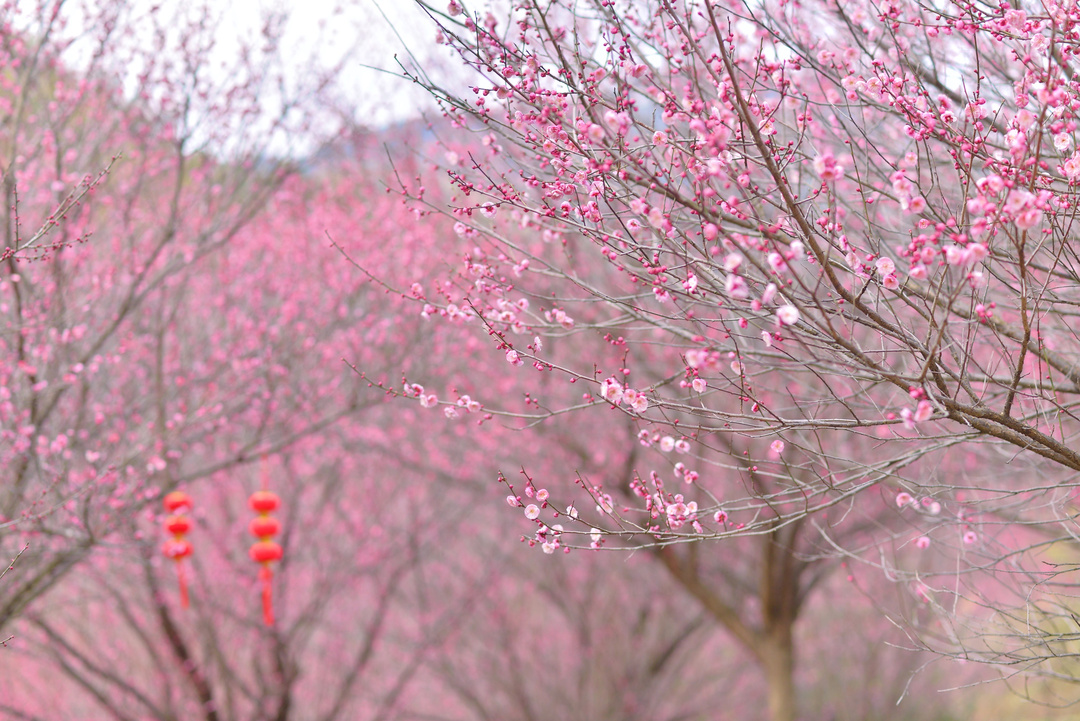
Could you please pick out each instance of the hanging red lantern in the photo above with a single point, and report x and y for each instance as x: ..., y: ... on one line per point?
x: 264, y: 501
x: 264, y: 527
x: 265, y: 551
x: 178, y: 548
x: 177, y: 501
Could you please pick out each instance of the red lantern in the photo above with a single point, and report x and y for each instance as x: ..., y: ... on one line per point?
x: 177, y: 501
x: 177, y: 525
x: 264, y: 502
x: 178, y: 548
x: 265, y: 551
x: 264, y: 527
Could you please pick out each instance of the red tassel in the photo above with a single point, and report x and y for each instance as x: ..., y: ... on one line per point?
x: 183, y: 584
x: 267, y: 576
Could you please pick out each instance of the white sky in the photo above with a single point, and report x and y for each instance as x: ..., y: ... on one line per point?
x: 372, y: 40
x: 369, y: 34
x: 318, y: 33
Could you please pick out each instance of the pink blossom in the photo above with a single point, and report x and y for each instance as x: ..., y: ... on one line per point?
x: 736, y: 287
x: 542, y: 495
x: 618, y: 122
x: 922, y: 542
x: 923, y: 411
x: 768, y: 294
x: 827, y: 167
x: 992, y: 184
x: 636, y: 400
x: 698, y: 385
x: 611, y: 391
x: 695, y: 357
x: 513, y: 358
x: 469, y: 404
x: 605, y: 504
x: 1028, y: 219
x: 777, y: 447
x: 429, y: 401
x: 1071, y: 167
x: 776, y: 262
x: 532, y: 511
x: 954, y: 255
x: 903, y: 498
x: 787, y: 315
x: 559, y: 316
x: 970, y: 537
x: 682, y: 446
x: 656, y: 218
x: 667, y: 444
x: 1018, y: 201
x: 513, y: 501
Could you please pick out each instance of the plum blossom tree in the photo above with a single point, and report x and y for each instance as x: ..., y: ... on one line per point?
x: 140, y: 169
x: 820, y: 253
x: 344, y: 643
x: 583, y: 638
x: 239, y: 357
x: 772, y: 272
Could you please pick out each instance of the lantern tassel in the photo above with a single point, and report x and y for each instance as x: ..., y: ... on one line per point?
x: 182, y: 578
x: 267, y: 576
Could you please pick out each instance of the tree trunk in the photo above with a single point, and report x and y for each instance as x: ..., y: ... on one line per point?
x: 777, y: 654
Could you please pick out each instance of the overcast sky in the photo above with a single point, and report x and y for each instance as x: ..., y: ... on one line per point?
x: 334, y: 28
